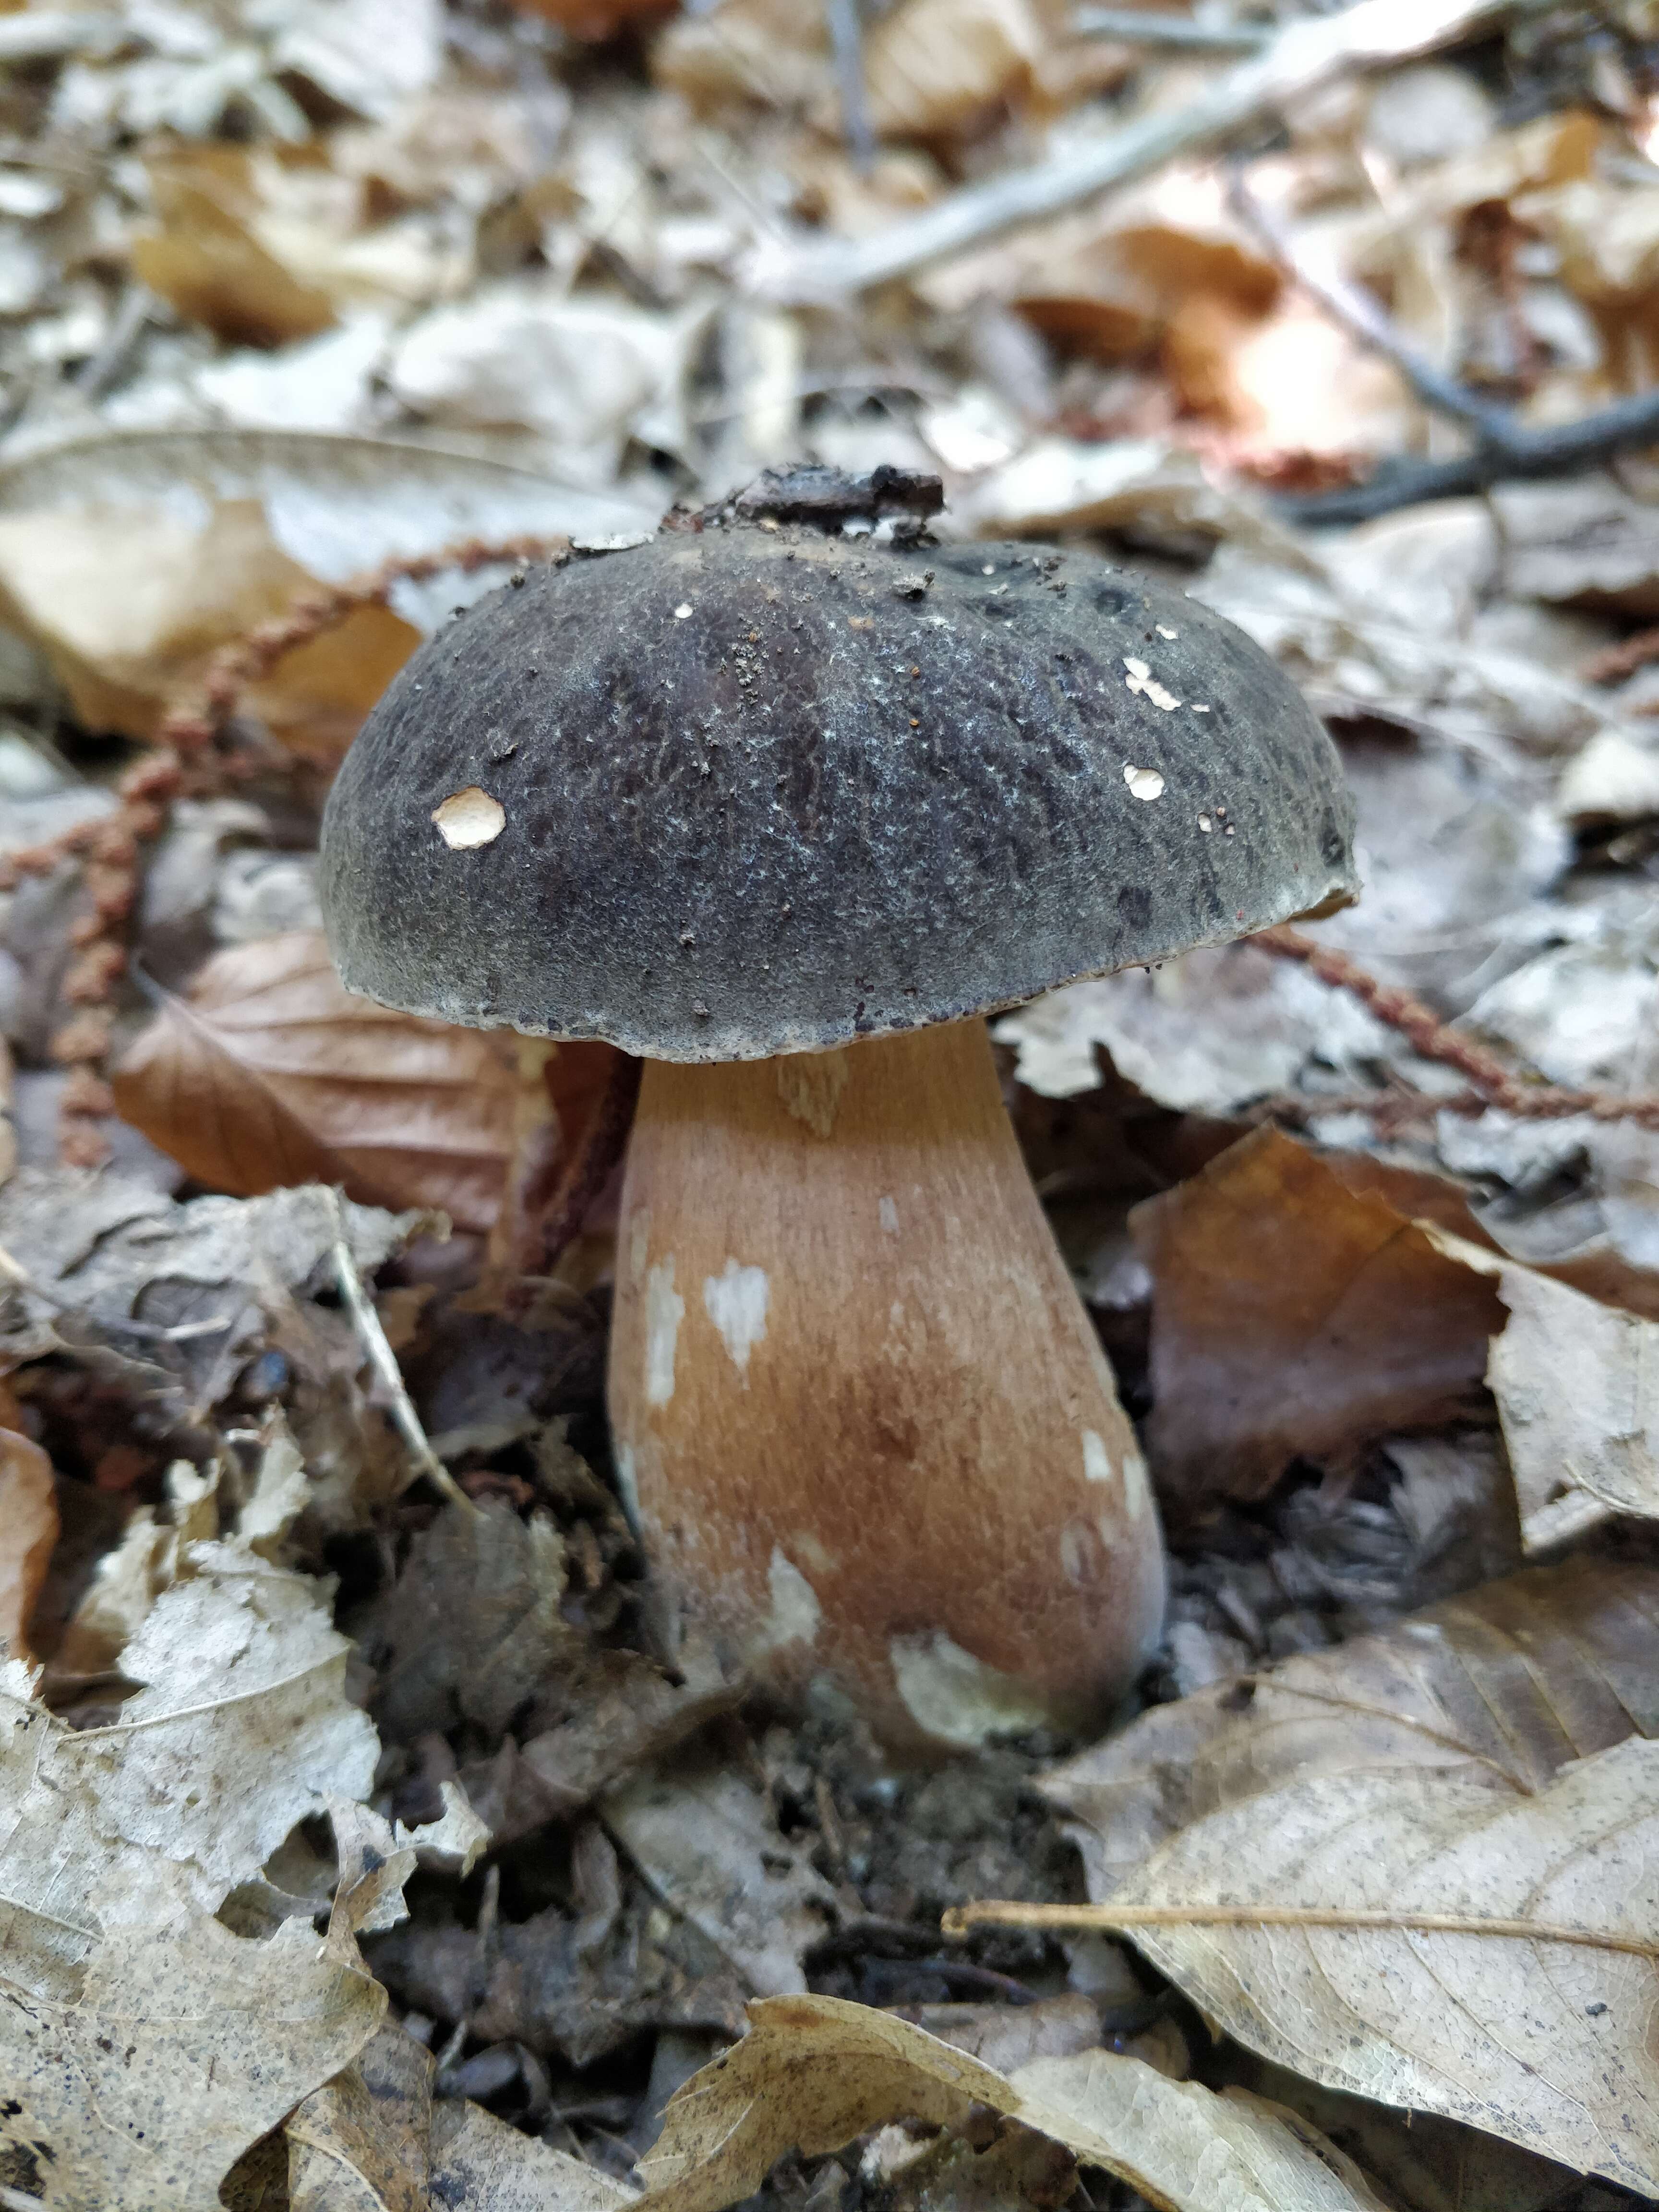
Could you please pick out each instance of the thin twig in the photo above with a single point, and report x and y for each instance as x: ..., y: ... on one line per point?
x: 961, y: 1917
x: 384, y: 1360
x: 1521, y: 456
x: 1302, y: 57
x: 846, y: 39
x: 1138, y: 26
x: 1430, y: 1038
x: 1359, y: 312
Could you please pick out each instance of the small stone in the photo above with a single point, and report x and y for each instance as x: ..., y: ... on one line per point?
x: 682, y: 612
x: 1143, y: 782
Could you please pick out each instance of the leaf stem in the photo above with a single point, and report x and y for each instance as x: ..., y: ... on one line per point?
x: 961, y: 1917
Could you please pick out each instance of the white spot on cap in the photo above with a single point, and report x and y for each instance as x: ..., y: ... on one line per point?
x: 470, y: 818
x: 682, y: 612
x: 887, y: 1214
x: 1140, y: 678
x: 953, y: 1696
x: 664, y: 1309
x: 1164, y: 631
x: 1143, y: 782
x: 1096, y: 1459
x: 736, y: 1301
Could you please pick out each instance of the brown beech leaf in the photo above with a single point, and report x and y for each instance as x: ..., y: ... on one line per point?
x: 271, y: 1072
x: 28, y: 1529
x: 1294, y: 1317
x: 814, y: 2072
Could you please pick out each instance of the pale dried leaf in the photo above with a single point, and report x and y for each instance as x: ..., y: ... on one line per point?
x: 1505, y: 1685
x: 1543, y: 2041
x: 337, y: 506
x: 814, y: 2072
x: 127, y: 602
x: 1181, y: 2145
x: 361, y: 2142
x: 1578, y: 1391
x: 28, y: 1529
x: 141, y: 2063
x: 241, y: 1730
x: 271, y: 1072
x: 709, y: 1844
x: 479, y: 2164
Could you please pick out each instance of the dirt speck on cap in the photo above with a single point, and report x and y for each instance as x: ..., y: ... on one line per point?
x: 470, y: 818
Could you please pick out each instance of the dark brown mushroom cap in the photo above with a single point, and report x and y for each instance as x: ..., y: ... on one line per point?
x: 765, y: 790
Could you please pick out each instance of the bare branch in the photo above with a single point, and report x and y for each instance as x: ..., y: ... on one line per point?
x: 1300, y: 59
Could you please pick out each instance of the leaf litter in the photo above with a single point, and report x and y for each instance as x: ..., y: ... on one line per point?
x: 270, y: 279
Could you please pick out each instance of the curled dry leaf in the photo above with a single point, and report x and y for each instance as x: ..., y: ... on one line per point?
x: 1292, y: 1316
x: 206, y: 255
x: 814, y: 2072
x: 271, y: 1072
x: 28, y: 1529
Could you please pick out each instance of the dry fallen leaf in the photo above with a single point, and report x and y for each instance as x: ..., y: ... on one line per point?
x: 141, y: 2062
x: 207, y: 259
x: 1292, y: 1316
x: 28, y: 1529
x: 479, y: 2164
x: 128, y: 601
x: 1508, y: 1682
x: 1578, y: 1391
x: 1543, y: 2038
x: 373, y: 2121
x: 709, y: 1845
x: 271, y: 1072
x: 814, y: 2072
x: 936, y: 67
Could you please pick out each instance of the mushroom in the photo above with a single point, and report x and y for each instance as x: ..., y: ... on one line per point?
x: 786, y: 813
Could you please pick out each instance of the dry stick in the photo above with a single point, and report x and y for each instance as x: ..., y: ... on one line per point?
x: 1300, y: 59
x: 384, y: 1360
x: 1136, y: 27
x: 961, y: 1917
x: 846, y: 39
x: 1491, y: 1082
x: 1505, y: 450
x: 1357, y: 310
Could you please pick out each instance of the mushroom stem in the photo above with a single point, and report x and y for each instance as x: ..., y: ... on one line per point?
x: 867, y: 1428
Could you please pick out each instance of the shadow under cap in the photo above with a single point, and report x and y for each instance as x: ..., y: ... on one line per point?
x: 767, y: 790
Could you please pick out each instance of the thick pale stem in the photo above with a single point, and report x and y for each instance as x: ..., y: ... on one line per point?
x: 868, y: 1429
